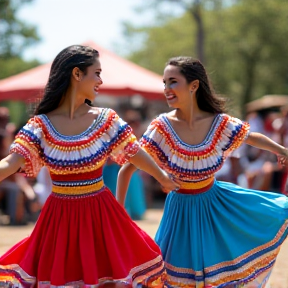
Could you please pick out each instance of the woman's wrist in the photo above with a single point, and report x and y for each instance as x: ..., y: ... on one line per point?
x: 283, y: 157
x: 284, y: 152
x: 163, y: 176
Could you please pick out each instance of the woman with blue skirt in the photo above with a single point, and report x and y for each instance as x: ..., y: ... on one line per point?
x: 212, y: 233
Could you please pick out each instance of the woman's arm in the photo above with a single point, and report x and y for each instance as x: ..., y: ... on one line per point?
x: 10, y: 164
x: 265, y: 143
x: 145, y: 162
x: 25, y: 186
x: 124, y: 176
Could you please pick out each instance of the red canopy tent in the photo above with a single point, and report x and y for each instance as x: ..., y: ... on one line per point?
x: 120, y: 76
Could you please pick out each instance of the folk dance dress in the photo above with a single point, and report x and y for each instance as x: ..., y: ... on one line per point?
x: 83, y: 236
x: 214, y: 234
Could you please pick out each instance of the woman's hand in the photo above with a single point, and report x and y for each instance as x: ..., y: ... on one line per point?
x: 283, y: 158
x: 143, y: 161
x: 263, y: 142
x: 167, y: 184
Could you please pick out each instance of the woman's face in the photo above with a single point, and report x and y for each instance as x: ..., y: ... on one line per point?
x: 90, y: 82
x: 176, y: 88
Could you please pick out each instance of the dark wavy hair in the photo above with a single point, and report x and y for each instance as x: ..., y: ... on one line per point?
x: 192, y: 69
x: 60, y: 74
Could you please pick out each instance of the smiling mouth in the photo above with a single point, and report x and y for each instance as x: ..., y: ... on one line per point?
x: 170, y: 97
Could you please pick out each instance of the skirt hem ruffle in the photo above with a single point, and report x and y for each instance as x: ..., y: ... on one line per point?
x: 149, y: 274
x: 254, y: 267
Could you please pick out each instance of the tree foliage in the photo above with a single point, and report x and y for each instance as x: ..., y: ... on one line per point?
x: 245, y: 45
x: 15, y: 36
x: 14, y: 65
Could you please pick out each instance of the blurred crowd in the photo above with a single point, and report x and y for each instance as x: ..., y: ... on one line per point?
x: 257, y: 169
x: 21, y: 198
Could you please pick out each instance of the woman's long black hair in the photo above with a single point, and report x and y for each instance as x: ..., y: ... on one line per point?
x: 60, y: 74
x: 193, y: 69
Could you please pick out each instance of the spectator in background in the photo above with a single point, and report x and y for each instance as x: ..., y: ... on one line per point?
x: 260, y: 168
x: 17, y: 198
x: 43, y: 185
x: 135, y: 203
x: 283, y: 127
x: 231, y: 168
x: 283, y: 134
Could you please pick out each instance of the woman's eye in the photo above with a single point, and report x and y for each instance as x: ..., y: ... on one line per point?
x: 172, y: 85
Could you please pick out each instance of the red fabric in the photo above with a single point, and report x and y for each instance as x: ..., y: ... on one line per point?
x: 85, y: 239
x: 283, y: 182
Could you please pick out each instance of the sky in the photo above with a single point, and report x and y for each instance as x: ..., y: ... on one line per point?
x: 61, y: 23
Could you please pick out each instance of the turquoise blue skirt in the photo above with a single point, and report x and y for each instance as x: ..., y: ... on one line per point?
x: 227, y: 236
x: 135, y: 203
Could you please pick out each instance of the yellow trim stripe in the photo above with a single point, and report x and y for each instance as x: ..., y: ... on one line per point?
x: 77, y: 190
x: 196, y: 185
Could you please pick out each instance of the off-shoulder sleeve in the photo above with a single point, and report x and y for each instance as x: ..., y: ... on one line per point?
x: 235, y: 132
x: 154, y: 142
x: 123, y: 143
x: 28, y: 144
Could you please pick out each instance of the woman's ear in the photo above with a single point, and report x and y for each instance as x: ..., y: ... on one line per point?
x: 194, y: 85
x: 77, y: 74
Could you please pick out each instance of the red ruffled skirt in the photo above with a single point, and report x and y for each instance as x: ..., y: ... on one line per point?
x: 83, y: 240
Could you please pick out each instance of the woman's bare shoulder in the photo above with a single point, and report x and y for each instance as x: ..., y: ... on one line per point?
x: 170, y: 114
x: 96, y: 110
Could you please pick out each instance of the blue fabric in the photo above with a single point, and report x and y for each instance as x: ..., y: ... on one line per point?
x: 198, y: 231
x: 135, y: 203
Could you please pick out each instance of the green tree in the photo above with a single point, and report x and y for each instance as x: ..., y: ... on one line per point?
x: 247, y: 49
x: 244, y: 48
x: 161, y: 43
x: 15, y: 36
x: 164, y: 9
x: 194, y: 9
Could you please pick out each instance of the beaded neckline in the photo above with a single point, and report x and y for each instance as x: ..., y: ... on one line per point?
x: 94, y: 124
x: 206, y: 139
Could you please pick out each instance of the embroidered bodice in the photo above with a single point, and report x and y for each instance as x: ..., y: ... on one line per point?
x: 192, y: 164
x: 75, y: 162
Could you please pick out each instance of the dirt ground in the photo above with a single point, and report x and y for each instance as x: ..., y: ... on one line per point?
x: 278, y: 279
